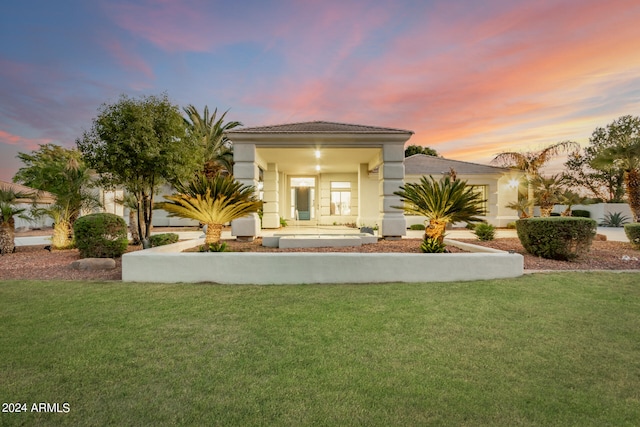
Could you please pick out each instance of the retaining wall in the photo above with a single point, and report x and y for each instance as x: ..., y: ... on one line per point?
x: 168, y: 264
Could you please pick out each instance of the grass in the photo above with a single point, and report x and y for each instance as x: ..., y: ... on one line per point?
x: 557, y: 349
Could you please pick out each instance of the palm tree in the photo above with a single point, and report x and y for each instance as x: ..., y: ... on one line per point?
x: 217, y: 147
x: 8, y: 210
x: 213, y: 201
x: 547, y: 192
x: 442, y: 202
x: 625, y: 155
x: 522, y: 206
x: 532, y: 161
x: 569, y: 199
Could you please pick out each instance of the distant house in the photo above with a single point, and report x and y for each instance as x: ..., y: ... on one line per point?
x: 42, y: 199
x: 324, y: 173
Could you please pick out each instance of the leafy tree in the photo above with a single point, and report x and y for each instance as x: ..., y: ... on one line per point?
x: 140, y: 144
x: 621, y: 142
x: 532, y: 161
x: 63, y: 173
x: 9, y: 198
x: 218, y: 152
x: 605, y: 182
x: 419, y: 149
x: 213, y: 201
x: 442, y: 202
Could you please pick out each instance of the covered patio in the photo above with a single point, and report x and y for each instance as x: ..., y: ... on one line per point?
x: 322, y: 173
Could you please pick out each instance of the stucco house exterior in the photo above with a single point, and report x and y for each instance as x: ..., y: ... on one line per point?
x: 43, y: 199
x: 324, y: 173
x: 498, y: 186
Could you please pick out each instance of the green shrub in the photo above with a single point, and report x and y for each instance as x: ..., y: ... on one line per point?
x: 214, y: 247
x: 581, y: 213
x: 485, y: 232
x: 615, y: 219
x: 164, y: 239
x: 561, y: 238
x: 283, y: 222
x: 511, y: 225
x: 416, y: 227
x: 470, y: 226
x: 633, y: 233
x: 432, y: 246
x: 101, y: 235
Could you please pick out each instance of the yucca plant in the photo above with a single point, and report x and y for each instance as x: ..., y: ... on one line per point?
x: 442, y: 202
x: 615, y: 219
x: 212, y: 201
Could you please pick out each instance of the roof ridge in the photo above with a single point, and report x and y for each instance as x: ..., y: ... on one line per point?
x: 331, y: 127
x: 458, y: 161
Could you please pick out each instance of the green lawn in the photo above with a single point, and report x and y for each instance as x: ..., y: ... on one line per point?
x: 556, y: 349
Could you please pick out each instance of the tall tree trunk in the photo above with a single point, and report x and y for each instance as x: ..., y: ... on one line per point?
x: 214, y: 231
x: 530, y: 195
x: 632, y: 184
x: 545, y: 210
x: 435, y: 230
x: 133, y: 227
x: 7, y: 236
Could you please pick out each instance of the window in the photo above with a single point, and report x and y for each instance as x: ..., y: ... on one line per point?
x: 340, y: 198
x: 483, y: 192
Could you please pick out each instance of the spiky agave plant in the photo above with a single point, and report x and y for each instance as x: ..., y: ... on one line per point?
x: 212, y: 201
x: 442, y: 202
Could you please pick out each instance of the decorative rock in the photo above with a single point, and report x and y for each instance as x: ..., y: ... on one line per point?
x: 94, y: 264
x: 601, y: 238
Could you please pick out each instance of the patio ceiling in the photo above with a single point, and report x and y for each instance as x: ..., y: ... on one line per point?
x: 303, y: 161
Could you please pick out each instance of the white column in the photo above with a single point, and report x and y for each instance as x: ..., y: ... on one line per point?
x: 245, y: 170
x: 391, y: 177
x: 271, y: 207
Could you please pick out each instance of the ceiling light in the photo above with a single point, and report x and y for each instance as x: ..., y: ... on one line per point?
x: 317, y: 154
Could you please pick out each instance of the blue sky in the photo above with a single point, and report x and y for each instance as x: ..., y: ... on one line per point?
x: 470, y: 78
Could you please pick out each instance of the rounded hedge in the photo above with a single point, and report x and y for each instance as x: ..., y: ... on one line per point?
x: 101, y: 235
x: 163, y: 239
x: 560, y: 238
x: 632, y: 231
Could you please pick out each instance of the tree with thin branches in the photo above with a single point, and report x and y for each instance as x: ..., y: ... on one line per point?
x: 532, y: 161
x: 623, y: 151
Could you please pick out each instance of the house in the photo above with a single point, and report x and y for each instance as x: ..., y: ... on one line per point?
x: 324, y: 173
x: 498, y: 186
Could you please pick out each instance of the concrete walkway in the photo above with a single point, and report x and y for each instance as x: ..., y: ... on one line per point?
x: 613, y: 234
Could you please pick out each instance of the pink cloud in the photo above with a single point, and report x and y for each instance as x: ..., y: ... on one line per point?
x: 27, y: 143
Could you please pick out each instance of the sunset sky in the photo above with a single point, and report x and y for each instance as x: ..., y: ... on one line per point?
x: 471, y: 78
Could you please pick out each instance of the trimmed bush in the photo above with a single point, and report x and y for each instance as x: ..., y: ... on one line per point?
x: 581, y: 213
x: 416, y: 227
x: 561, y: 238
x: 633, y: 233
x: 163, y: 239
x: 101, y: 235
x: 511, y: 225
x: 485, y: 232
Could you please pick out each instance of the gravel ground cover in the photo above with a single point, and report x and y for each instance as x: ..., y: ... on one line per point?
x: 35, y: 262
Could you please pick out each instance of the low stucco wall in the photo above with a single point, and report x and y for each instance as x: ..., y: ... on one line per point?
x: 167, y: 264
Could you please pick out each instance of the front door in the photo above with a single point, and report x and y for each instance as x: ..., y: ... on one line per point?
x: 303, y: 205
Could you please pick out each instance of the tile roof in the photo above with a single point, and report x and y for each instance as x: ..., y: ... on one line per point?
x: 320, y: 127
x: 43, y: 196
x: 422, y: 164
